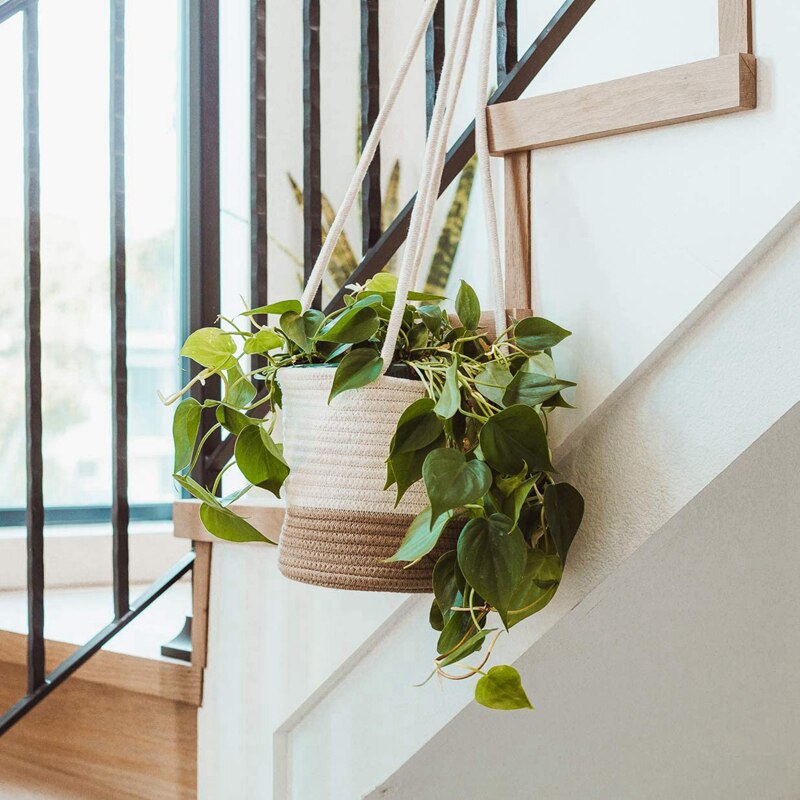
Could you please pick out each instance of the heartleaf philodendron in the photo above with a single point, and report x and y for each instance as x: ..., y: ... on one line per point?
x: 497, y: 529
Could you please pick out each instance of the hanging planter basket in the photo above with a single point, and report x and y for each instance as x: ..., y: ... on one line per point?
x: 341, y: 525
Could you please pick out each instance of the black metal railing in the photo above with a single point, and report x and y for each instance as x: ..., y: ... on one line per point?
x: 200, y: 239
x: 200, y: 270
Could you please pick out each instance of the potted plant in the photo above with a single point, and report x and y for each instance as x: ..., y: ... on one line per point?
x: 496, y: 524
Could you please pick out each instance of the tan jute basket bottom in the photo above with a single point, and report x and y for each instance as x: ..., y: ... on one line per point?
x: 346, y: 550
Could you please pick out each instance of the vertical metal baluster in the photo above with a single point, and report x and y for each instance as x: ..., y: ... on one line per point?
x: 258, y: 154
x: 312, y: 168
x: 202, y: 204
x: 506, y: 38
x: 370, y: 106
x: 33, y: 351
x: 120, y: 512
x: 434, y: 59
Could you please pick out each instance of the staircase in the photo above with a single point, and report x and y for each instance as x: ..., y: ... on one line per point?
x: 677, y: 270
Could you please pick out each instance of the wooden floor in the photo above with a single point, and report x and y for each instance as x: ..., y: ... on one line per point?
x: 92, y: 741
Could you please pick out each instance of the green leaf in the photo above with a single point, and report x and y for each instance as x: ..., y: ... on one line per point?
x: 514, y: 438
x: 232, y: 420
x: 541, y: 363
x: 185, y: 425
x: 468, y: 307
x: 512, y: 505
x: 435, y: 617
x: 356, y: 324
x: 196, y: 490
x: 537, y: 586
x: 263, y: 341
x: 276, y: 308
x: 451, y: 481
x: 424, y: 297
x: 224, y: 524
x: 492, y: 555
x: 260, y: 459
x: 533, y: 334
x: 563, y: 510
x: 417, y: 427
x: 492, y: 380
x: 422, y: 536
x: 211, y: 348
x: 445, y: 584
x: 468, y: 648
x: 501, y: 688
x: 301, y: 329
x: 532, y: 388
x: 381, y: 283
x: 450, y: 398
x: 358, y: 368
x: 432, y: 317
x: 405, y: 469
x: 455, y: 629
x: 239, y: 392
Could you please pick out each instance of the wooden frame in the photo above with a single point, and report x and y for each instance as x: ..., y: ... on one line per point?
x: 713, y: 87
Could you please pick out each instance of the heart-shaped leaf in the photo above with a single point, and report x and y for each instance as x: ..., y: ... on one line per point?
x: 196, y: 490
x: 260, y: 459
x: 468, y: 648
x: 432, y: 317
x: 381, y: 283
x: 211, y: 348
x: 492, y: 555
x: 532, y: 388
x: 417, y: 427
x: 445, y: 585
x: 451, y: 481
x: 358, y: 368
x: 355, y: 324
x: 563, y: 510
x: 233, y: 420
x: 301, y: 329
x: 263, y: 341
x: 422, y: 536
x: 224, y: 524
x: 514, y: 438
x: 468, y: 307
x: 533, y: 334
x: 501, y: 687
x: 185, y: 425
x: 450, y: 398
x: 280, y: 307
x: 405, y: 469
x: 492, y: 380
x: 537, y: 586
x: 435, y: 617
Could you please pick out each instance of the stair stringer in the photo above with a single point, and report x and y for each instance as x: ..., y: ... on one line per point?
x: 719, y: 381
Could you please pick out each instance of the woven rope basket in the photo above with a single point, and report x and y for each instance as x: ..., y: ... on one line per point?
x: 340, y: 524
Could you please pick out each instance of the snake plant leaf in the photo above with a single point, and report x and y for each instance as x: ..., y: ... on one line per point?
x: 224, y: 524
x: 450, y: 236
x: 514, y: 438
x: 260, y: 459
x: 532, y: 389
x: 533, y: 334
x: 422, y: 536
x: 492, y: 555
x: 358, y: 368
x: 501, y: 688
x: 185, y: 425
x: 417, y: 427
x: 563, y: 510
x: 451, y: 481
x: 450, y: 399
x: 211, y: 348
x: 468, y: 307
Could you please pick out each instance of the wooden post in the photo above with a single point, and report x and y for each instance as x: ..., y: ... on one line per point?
x: 518, y: 232
x: 735, y: 27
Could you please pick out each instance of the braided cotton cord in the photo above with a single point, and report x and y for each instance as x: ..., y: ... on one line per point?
x: 367, y: 155
x: 430, y: 179
x: 441, y: 149
x: 482, y: 149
